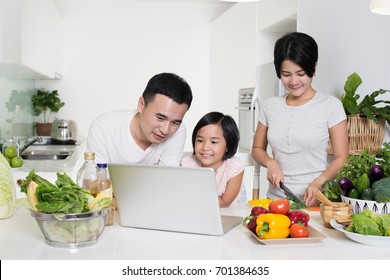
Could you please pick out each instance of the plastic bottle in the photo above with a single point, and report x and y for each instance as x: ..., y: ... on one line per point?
x: 86, y: 177
x: 102, y: 177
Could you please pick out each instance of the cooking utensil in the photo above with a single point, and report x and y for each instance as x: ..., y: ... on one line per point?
x: 329, y: 212
x: 321, y: 197
x: 64, y: 131
x: 289, y: 193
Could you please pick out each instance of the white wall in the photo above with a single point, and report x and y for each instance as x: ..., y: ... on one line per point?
x: 350, y: 39
x: 112, y: 50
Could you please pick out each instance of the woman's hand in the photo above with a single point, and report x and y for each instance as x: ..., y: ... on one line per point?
x: 310, y: 194
x: 274, y: 173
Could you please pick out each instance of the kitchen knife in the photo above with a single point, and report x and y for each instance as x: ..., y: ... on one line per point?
x: 289, y: 193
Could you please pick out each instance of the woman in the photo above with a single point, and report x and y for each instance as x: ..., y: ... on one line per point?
x: 298, y: 125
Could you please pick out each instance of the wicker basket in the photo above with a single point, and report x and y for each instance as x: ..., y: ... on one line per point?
x: 363, y: 134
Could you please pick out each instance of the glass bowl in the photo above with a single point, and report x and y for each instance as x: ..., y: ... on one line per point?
x: 71, y: 230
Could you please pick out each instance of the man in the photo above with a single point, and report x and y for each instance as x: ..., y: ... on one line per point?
x: 152, y: 134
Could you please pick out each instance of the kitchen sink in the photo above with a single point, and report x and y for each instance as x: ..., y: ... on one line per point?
x: 46, y: 155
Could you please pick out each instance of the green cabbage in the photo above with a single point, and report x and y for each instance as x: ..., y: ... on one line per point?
x: 7, y: 189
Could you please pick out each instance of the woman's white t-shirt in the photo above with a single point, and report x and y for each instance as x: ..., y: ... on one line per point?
x: 298, y: 137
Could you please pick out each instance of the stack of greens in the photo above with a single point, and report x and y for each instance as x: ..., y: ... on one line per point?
x: 370, y: 223
x: 64, y: 197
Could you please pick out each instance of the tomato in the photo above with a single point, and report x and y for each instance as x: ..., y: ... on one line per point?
x: 298, y: 231
x: 279, y: 206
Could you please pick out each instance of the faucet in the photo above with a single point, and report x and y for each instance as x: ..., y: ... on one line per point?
x: 29, y: 142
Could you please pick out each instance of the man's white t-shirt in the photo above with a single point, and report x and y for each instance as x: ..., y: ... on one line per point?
x: 110, y: 139
x: 298, y: 137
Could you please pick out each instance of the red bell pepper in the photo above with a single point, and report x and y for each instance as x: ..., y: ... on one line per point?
x: 298, y: 217
x: 250, y: 221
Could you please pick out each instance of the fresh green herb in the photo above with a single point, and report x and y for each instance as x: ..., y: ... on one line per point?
x: 332, y: 191
x: 296, y: 205
x: 383, y: 158
x: 368, y: 106
x: 358, y: 164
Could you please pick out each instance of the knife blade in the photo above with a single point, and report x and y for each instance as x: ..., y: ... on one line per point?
x: 289, y: 193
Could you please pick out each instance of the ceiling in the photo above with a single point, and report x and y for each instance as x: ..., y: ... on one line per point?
x: 216, y: 7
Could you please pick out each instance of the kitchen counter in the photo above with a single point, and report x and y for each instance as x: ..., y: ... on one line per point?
x: 20, y: 238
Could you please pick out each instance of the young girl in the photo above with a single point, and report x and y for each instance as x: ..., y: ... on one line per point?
x: 215, y: 141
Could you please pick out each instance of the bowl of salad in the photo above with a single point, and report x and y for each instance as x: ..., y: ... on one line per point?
x: 67, y: 215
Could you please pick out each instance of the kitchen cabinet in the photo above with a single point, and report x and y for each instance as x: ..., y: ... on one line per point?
x: 30, y: 39
x: 232, y: 56
x: 274, y: 19
x: 241, y: 39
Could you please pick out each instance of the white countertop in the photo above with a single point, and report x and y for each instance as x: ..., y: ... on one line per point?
x: 20, y: 238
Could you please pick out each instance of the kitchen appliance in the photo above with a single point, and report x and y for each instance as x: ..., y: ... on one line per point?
x: 250, y: 100
x: 64, y: 132
x: 246, y: 117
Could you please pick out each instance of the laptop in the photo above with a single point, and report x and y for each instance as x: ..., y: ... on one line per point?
x: 169, y: 198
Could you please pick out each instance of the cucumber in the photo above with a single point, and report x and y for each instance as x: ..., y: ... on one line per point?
x: 353, y: 194
x: 367, y: 194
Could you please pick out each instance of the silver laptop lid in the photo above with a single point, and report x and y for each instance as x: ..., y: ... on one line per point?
x: 171, y: 198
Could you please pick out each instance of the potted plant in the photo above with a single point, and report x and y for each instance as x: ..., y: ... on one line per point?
x: 366, y: 120
x: 45, y: 105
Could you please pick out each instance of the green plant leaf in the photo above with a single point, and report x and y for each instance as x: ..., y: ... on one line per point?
x: 45, y: 102
x: 349, y: 98
x: 369, y: 107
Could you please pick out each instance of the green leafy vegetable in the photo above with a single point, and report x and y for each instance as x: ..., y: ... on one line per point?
x: 296, y: 205
x: 383, y: 158
x: 65, y: 197
x: 332, y: 191
x: 361, y: 183
x: 370, y: 223
x: 357, y: 165
x: 7, y: 197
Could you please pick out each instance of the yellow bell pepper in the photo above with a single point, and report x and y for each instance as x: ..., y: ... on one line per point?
x: 271, y: 226
x: 264, y: 202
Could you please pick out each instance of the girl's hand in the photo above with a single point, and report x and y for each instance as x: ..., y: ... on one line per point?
x: 274, y: 173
